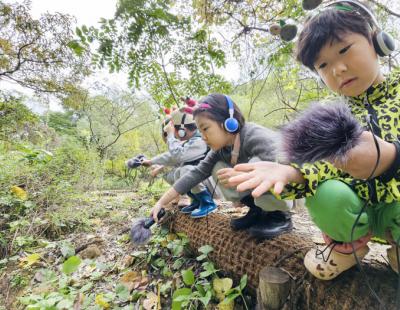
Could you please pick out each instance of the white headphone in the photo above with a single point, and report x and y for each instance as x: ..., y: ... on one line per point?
x: 383, y: 42
x: 181, y: 130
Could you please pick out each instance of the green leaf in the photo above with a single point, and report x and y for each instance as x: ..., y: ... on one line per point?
x: 206, y: 299
x: 206, y: 249
x: 178, y: 295
x: 188, y: 277
x: 76, y: 47
x: 231, y: 297
x: 201, y: 289
x: 122, y: 292
x: 243, y: 282
x: 178, y: 264
x: 67, y: 249
x: 71, y: 264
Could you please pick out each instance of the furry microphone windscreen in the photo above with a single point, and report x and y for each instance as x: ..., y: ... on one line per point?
x: 139, y: 233
x: 322, y: 132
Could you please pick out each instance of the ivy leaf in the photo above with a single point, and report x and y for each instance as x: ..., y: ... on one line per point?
x: 67, y: 249
x: 206, y: 249
x: 179, y: 296
x: 122, y: 292
x: 188, y: 277
x: 221, y: 287
x: 206, y: 299
x: 71, y: 264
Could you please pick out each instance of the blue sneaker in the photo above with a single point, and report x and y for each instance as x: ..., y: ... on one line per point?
x: 193, y: 206
x: 207, y: 205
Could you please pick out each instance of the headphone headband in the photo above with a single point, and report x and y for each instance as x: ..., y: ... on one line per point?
x: 231, y: 110
x: 353, y: 6
x: 231, y: 124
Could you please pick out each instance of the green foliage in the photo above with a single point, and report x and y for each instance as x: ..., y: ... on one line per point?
x: 64, y: 123
x: 163, y: 51
x: 71, y: 265
x: 14, y: 116
x: 38, y: 54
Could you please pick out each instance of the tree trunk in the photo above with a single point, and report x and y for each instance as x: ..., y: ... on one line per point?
x: 237, y: 254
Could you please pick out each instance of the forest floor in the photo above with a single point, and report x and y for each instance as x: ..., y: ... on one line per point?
x: 111, y: 272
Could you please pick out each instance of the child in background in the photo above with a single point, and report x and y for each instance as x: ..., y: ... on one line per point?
x: 185, y: 150
x: 341, y: 44
x: 232, y: 141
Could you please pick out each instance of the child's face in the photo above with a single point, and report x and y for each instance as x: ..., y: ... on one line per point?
x: 213, y: 133
x: 350, y: 66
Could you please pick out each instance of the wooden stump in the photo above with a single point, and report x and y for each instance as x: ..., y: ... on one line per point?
x: 273, y: 288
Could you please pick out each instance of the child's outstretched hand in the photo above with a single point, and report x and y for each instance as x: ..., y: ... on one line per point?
x: 264, y: 175
x: 225, y: 174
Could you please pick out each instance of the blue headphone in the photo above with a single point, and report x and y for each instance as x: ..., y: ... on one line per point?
x: 231, y: 124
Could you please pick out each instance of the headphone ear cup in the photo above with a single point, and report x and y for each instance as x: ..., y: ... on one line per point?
x: 231, y: 125
x: 383, y: 43
x: 181, y: 132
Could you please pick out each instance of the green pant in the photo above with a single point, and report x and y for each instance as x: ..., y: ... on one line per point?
x: 335, y: 207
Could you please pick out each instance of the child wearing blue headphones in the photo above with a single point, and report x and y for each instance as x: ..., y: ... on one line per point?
x: 234, y: 141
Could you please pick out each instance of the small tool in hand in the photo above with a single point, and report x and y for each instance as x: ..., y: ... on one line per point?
x: 140, y: 231
x: 135, y: 162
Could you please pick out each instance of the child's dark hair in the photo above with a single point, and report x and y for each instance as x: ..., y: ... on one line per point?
x: 217, y: 109
x: 329, y: 25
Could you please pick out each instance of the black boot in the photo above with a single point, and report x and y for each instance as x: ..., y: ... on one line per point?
x: 250, y: 218
x: 271, y: 224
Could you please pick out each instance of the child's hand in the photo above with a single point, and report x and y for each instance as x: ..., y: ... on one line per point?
x: 146, y: 162
x: 225, y: 174
x: 154, y: 211
x: 361, y: 159
x: 264, y: 175
x: 169, y: 128
x: 155, y: 170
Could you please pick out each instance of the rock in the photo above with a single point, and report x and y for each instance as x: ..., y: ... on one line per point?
x: 92, y: 251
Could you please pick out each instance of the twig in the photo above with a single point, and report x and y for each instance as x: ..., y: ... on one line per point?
x: 290, y: 254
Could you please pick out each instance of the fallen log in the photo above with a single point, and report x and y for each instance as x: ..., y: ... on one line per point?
x: 237, y: 254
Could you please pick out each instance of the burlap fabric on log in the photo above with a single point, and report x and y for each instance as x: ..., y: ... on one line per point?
x: 237, y: 254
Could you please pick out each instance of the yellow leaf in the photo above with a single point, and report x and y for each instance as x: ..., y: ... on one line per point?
x: 19, y: 192
x: 221, y: 286
x: 102, y: 302
x: 226, y: 306
x: 171, y: 237
x: 30, y: 260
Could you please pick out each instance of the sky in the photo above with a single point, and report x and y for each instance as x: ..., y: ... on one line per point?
x: 87, y: 12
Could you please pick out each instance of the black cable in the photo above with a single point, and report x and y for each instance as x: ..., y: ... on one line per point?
x: 371, y: 189
x: 398, y: 276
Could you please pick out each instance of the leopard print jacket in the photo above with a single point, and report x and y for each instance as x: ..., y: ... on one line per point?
x: 381, y: 103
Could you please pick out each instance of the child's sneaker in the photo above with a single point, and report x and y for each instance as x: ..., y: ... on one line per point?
x: 392, y: 257
x: 329, y: 267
